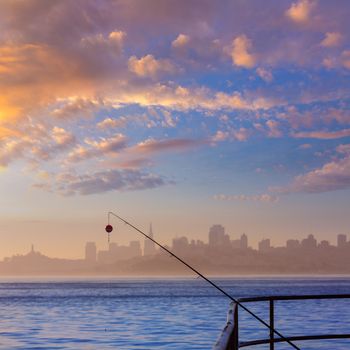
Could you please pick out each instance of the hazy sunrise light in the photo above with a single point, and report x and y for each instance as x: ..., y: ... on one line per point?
x: 180, y: 113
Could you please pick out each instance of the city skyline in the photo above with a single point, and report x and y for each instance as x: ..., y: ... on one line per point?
x: 216, y: 237
x: 180, y: 112
x: 220, y: 255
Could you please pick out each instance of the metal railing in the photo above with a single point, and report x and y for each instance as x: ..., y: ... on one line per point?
x: 229, y: 337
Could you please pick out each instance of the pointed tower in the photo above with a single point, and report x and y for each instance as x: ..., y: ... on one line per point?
x: 149, y: 246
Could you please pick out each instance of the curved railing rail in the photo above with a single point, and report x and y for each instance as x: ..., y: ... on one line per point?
x: 229, y: 337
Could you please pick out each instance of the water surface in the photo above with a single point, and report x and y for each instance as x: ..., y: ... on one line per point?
x: 177, y: 314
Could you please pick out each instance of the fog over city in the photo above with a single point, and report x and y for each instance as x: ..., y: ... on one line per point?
x: 220, y: 255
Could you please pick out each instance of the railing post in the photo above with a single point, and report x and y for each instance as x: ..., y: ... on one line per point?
x: 235, y: 330
x: 272, y: 324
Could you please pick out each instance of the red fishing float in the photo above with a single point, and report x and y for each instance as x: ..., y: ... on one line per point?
x: 109, y: 229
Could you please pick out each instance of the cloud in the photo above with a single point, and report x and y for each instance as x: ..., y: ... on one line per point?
x: 264, y: 74
x: 181, y: 98
x: 36, y: 142
x: 181, y: 41
x: 6, y: 132
x: 62, y: 137
x: 73, y: 108
x: 105, y: 146
x: 132, y: 163
x: 220, y: 136
x: 240, y: 52
x: 332, y: 176
x: 151, y: 146
x: 299, y: 12
x: 345, y: 56
x: 11, y: 151
x: 114, y: 41
x: 305, y: 146
x: 274, y: 128
x: 148, y: 66
x: 325, y: 135
x: 68, y: 184
x: 267, y: 198
x: 169, y: 121
x: 109, y: 123
x: 241, y: 134
x: 332, y: 39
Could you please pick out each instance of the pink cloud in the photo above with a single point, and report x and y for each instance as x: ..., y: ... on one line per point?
x: 68, y: 184
x: 332, y: 176
x: 332, y: 39
x: 93, y: 148
x: 181, y: 41
x: 300, y: 11
x: 326, y: 135
x: 240, y: 53
x: 267, y: 198
x: 151, y: 146
x: 274, y: 128
x: 148, y: 66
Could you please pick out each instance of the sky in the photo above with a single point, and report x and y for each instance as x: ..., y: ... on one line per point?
x: 183, y: 113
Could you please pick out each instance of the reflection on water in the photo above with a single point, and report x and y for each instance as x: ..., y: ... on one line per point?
x: 160, y: 314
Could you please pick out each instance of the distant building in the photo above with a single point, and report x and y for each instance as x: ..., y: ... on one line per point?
x: 309, y: 242
x: 341, y: 241
x: 149, y: 246
x: 236, y: 243
x: 292, y: 244
x: 90, y: 252
x: 324, y: 245
x: 135, y: 248
x: 180, y: 244
x: 217, y: 236
x: 116, y: 252
x: 244, y: 241
x: 264, y: 245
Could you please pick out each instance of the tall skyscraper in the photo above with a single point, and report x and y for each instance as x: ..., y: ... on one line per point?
x: 292, y: 244
x: 149, y: 246
x: 264, y: 245
x: 216, y: 235
x: 309, y: 242
x: 341, y: 241
x: 90, y: 252
x: 244, y: 241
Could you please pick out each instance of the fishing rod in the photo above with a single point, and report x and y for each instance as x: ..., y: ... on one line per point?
x: 109, y: 229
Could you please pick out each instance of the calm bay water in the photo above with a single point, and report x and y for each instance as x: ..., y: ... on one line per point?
x: 160, y: 313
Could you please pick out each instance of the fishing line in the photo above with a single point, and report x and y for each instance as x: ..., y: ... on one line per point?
x: 109, y: 229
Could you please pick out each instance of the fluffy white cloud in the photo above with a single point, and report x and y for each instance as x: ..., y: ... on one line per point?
x: 93, y: 148
x: 109, y: 123
x: 73, y: 108
x: 331, y: 39
x: 181, y: 41
x: 300, y: 11
x: 240, y: 52
x: 148, y: 66
x: 178, y: 97
x: 114, y: 40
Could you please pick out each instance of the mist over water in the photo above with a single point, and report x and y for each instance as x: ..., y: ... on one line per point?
x: 160, y: 313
